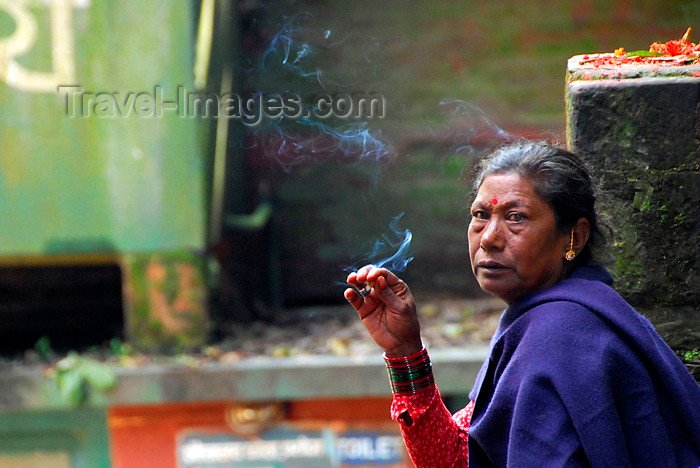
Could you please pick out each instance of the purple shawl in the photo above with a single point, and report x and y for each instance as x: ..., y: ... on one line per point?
x: 576, y: 377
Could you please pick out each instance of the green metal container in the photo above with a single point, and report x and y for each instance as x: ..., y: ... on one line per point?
x: 95, y: 155
x: 102, y: 157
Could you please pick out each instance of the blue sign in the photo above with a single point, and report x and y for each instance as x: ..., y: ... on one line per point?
x: 363, y: 448
x: 288, y: 448
x: 279, y: 449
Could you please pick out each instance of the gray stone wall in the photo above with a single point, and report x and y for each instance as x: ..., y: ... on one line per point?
x: 642, y: 138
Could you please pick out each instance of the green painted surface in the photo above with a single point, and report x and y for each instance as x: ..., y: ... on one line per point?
x: 80, y: 434
x: 98, y: 183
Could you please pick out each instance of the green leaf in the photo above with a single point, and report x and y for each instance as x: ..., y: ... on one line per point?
x: 99, y: 376
x: 642, y: 53
x: 70, y: 387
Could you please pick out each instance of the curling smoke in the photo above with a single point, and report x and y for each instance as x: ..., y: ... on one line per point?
x: 295, y: 56
x: 470, y: 127
x: 400, y: 240
x: 321, y: 143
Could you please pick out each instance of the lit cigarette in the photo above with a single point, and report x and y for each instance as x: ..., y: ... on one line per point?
x: 367, y: 288
x: 362, y: 289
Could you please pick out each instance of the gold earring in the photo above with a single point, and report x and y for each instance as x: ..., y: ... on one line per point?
x: 570, y: 255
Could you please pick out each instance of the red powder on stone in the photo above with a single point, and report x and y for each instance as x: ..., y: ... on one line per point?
x: 672, y: 53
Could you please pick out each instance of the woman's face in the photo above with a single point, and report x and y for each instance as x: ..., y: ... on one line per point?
x: 514, y: 245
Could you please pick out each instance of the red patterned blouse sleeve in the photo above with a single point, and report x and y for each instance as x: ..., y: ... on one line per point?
x: 434, y: 438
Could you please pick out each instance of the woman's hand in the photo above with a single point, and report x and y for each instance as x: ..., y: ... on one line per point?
x: 388, y: 311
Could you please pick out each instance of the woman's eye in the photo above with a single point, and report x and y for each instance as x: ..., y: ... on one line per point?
x: 515, y: 217
x: 479, y: 214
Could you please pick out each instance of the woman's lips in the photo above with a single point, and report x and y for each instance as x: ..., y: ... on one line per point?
x: 491, y: 267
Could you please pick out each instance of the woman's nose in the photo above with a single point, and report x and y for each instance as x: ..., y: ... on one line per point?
x: 492, y: 235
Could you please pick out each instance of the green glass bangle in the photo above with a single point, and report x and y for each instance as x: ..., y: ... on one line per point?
x: 410, y: 374
x: 410, y: 388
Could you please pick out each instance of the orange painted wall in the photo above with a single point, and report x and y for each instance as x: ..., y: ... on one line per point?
x: 146, y: 436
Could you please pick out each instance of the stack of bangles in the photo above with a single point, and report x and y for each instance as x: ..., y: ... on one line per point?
x: 409, y: 374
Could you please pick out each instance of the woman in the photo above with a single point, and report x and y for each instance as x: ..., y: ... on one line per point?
x: 575, y: 376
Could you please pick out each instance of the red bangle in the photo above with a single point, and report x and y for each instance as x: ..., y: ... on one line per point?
x: 408, y: 363
x: 404, y: 359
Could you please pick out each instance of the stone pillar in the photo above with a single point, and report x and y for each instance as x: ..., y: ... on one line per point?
x: 639, y: 128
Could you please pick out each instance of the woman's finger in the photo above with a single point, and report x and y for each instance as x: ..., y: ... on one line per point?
x: 353, y: 298
x: 353, y: 287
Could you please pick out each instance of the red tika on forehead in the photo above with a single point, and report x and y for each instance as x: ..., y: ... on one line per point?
x: 494, y: 201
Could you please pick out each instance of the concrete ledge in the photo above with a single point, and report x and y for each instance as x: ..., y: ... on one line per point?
x: 258, y: 379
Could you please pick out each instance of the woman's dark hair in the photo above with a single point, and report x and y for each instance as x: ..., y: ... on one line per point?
x: 560, y: 178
